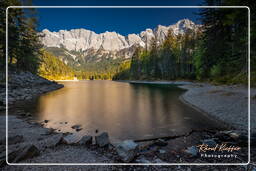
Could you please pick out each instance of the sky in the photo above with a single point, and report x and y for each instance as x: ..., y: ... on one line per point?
x: 121, y: 20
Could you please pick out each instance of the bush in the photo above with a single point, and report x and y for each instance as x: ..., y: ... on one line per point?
x: 215, y: 71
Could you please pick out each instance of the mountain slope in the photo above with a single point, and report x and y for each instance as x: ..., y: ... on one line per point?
x: 78, y: 47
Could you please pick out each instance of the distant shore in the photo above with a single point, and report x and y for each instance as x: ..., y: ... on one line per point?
x: 226, y: 103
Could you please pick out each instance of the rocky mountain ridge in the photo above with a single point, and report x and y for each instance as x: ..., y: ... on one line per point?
x: 81, y: 45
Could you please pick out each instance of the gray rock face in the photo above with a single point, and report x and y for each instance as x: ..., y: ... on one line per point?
x: 111, y: 43
x: 127, y: 150
x: 102, y: 139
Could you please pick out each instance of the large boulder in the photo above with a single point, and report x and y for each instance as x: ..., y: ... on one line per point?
x: 102, y: 139
x: 127, y: 150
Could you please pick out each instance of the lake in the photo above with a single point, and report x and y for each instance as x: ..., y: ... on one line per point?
x: 124, y: 110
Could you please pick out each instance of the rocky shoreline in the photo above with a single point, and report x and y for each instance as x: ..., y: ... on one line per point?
x: 30, y: 142
x: 24, y: 86
x: 228, y: 104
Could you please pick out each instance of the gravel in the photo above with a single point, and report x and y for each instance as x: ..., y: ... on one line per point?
x: 225, y: 103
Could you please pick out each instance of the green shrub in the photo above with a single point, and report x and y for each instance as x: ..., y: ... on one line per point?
x: 215, y: 71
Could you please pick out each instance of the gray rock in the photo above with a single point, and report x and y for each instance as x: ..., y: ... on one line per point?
x: 15, y: 139
x: 127, y: 150
x: 162, y: 151
x: 52, y: 141
x: 142, y: 160
x: 234, y: 135
x: 209, y: 142
x: 161, y: 142
x: 145, y: 145
x: 86, y: 140
x: 70, y: 139
x: 26, y: 152
x: 238, y: 136
x: 49, y: 131
x: 102, y: 139
x: 28, y: 114
x: 193, y: 151
x: 158, y: 161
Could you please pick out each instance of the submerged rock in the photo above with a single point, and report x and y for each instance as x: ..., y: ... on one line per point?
x: 127, y: 150
x: 76, y: 126
x: 102, y: 139
x: 78, y: 129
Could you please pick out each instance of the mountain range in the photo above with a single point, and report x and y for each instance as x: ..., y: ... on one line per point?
x: 79, y: 46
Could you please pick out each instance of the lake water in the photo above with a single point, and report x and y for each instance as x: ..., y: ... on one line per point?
x: 124, y: 110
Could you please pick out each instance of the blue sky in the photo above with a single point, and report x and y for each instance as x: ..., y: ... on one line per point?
x: 123, y: 21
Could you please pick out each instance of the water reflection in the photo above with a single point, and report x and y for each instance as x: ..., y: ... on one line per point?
x: 125, y: 111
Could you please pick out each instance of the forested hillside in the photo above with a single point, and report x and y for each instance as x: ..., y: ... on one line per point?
x: 219, y: 53
x: 54, y: 69
x: 172, y: 60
